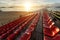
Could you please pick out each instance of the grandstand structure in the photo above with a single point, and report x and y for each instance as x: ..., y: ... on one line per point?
x: 36, y: 26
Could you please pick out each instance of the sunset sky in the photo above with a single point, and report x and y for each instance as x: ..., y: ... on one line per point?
x: 8, y: 3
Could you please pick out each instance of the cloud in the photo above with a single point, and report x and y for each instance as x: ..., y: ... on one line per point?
x: 19, y: 2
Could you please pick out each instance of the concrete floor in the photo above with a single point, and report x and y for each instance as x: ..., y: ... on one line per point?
x: 38, y: 32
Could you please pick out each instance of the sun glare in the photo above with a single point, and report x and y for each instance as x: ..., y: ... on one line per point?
x: 27, y: 6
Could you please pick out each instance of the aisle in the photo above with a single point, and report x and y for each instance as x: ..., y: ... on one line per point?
x: 37, y: 34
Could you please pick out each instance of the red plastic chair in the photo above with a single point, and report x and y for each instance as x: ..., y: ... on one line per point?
x: 47, y: 38
x: 57, y: 37
x: 51, y: 31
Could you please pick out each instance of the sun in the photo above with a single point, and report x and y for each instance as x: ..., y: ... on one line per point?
x: 27, y: 6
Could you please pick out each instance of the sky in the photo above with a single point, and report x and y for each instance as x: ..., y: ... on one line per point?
x: 19, y: 2
x: 6, y: 3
